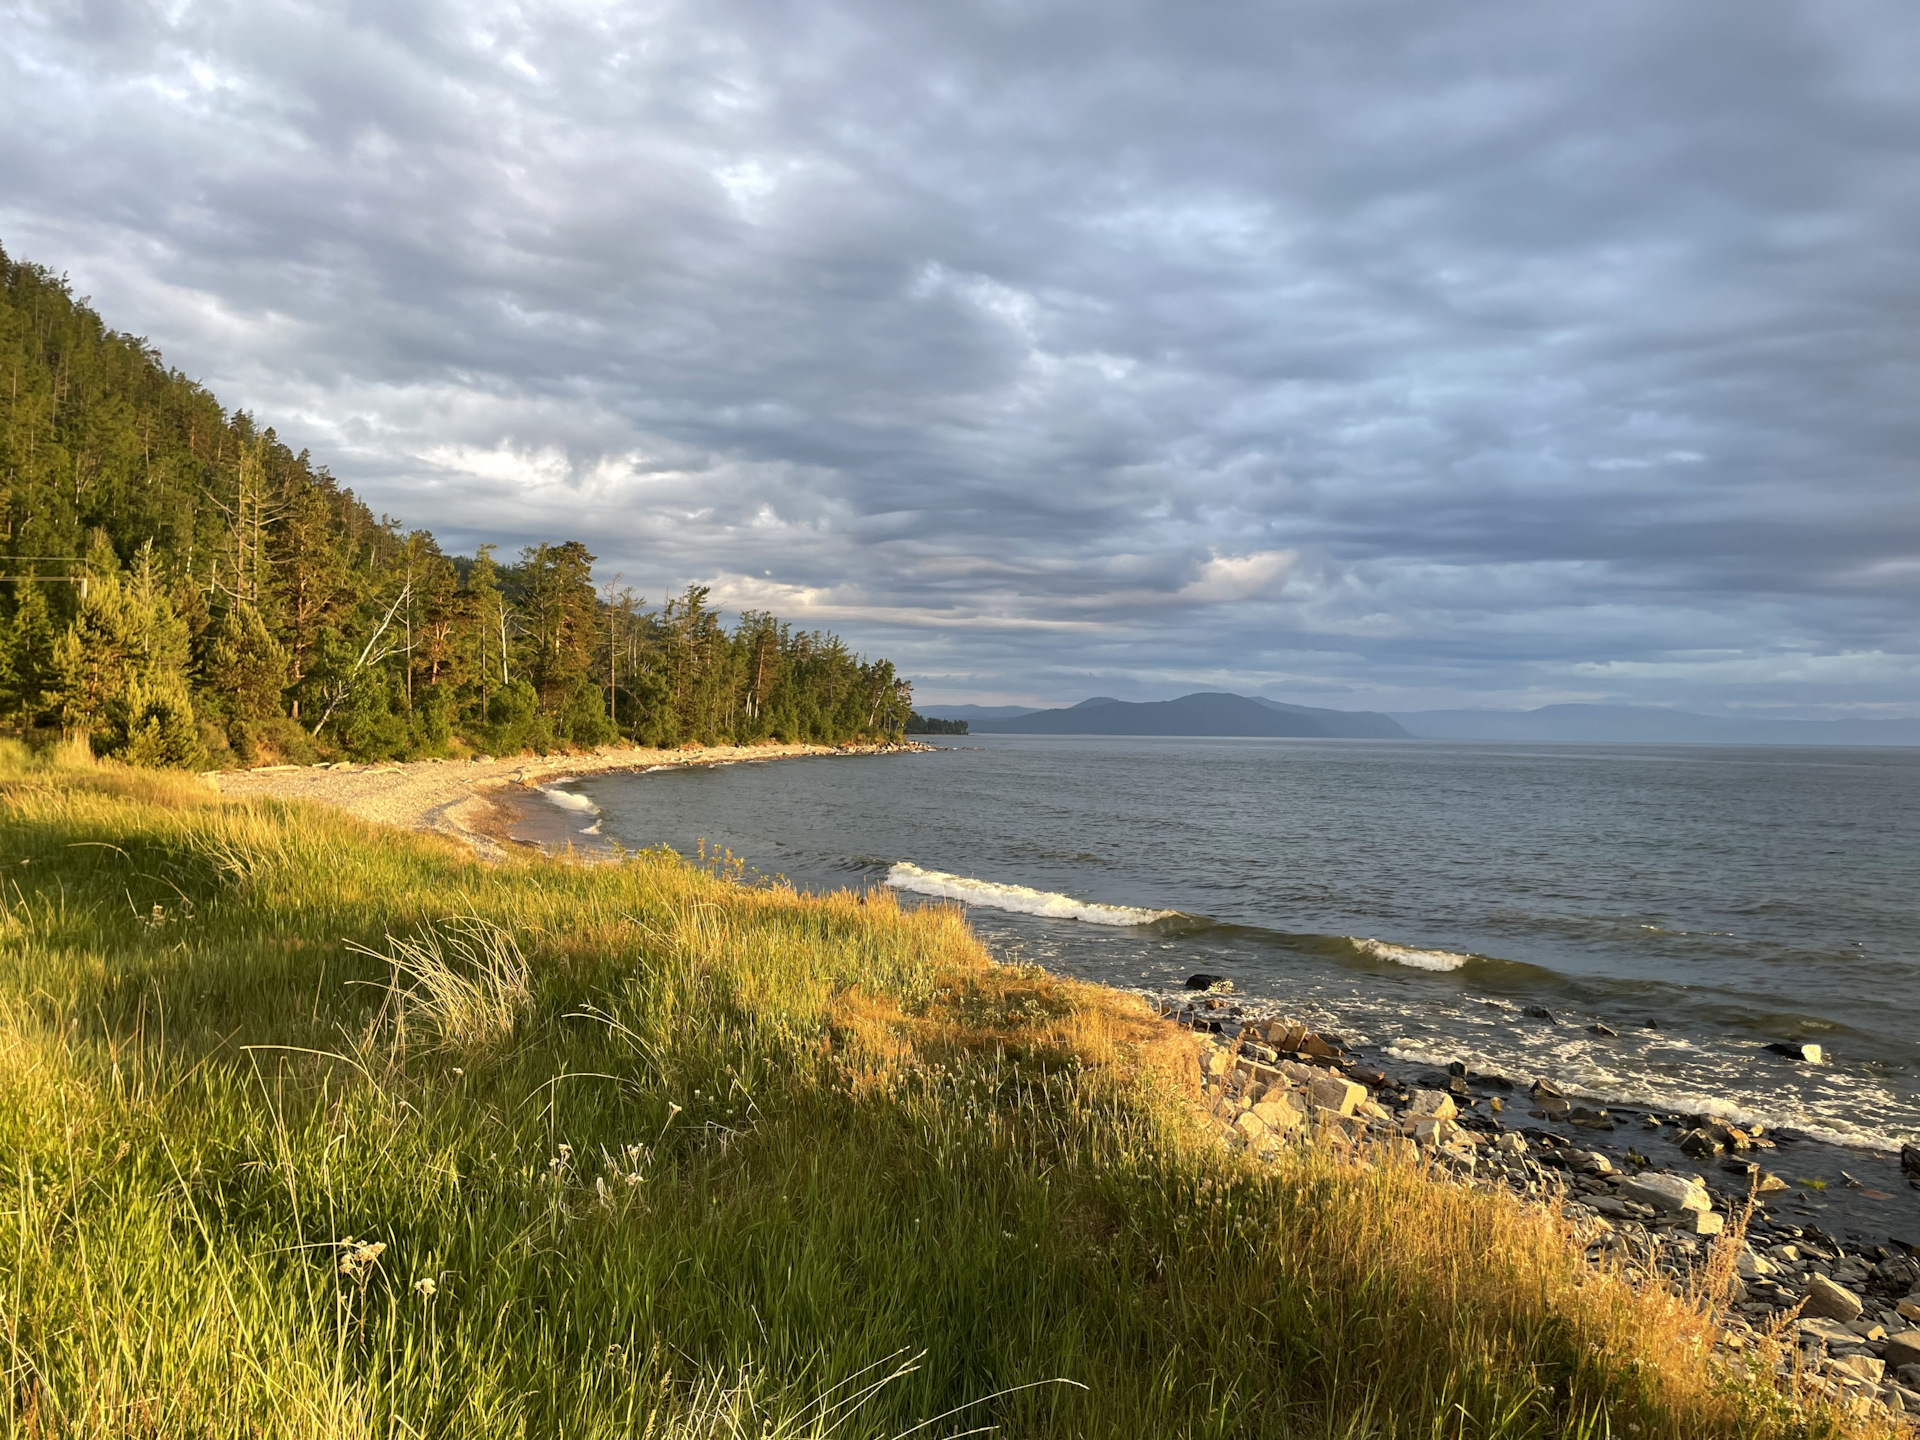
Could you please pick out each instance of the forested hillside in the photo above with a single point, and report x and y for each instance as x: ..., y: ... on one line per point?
x: 183, y: 589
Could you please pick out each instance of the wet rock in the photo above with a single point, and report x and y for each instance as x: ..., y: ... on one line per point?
x: 1320, y: 1047
x: 1671, y: 1194
x: 1651, y: 1023
x: 1544, y: 1089
x: 1598, y: 1029
x: 1700, y: 1143
x: 1284, y: 1034
x: 1809, y: 1054
x: 1204, y: 981
x: 1729, y: 1135
x: 1826, y: 1300
x: 1910, y: 1159
x: 1540, y: 1012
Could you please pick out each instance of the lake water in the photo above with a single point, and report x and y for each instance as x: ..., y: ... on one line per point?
x: 1417, y: 897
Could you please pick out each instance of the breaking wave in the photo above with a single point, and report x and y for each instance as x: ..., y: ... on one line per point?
x: 1407, y: 955
x: 1017, y: 898
x: 567, y: 800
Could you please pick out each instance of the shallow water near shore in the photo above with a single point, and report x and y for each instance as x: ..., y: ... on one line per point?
x: 1420, y: 897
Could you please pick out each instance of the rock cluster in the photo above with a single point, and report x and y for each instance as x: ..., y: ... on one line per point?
x: 1853, y: 1311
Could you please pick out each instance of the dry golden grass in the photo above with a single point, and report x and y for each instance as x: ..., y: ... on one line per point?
x: 653, y: 1152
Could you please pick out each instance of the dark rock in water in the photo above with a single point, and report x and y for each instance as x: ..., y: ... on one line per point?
x: 1809, y: 1054
x: 1203, y: 982
x: 1545, y: 1088
x: 1651, y: 1023
x: 1459, y: 1089
x: 1540, y: 1012
x: 1602, y: 1029
x: 1910, y: 1159
x: 1700, y: 1143
x: 1457, y: 1067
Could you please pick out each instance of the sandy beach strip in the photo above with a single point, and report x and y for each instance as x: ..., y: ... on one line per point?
x: 460, y: 798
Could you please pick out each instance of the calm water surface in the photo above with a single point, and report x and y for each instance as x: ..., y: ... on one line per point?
x: 1417, y: 896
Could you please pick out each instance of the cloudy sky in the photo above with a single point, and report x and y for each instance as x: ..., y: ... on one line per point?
x: 1358, y: 352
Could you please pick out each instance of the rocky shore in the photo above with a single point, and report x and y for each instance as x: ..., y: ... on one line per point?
x: 1661, y: 1198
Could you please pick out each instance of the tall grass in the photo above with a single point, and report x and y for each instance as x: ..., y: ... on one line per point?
x: 308, y: 1129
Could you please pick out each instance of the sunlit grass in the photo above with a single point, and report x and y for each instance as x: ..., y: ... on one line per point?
x: 311, y: 1129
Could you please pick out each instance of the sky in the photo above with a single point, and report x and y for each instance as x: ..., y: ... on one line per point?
x: 1363, y: 353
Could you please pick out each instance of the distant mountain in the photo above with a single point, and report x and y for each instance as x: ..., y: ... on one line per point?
x: 1647, y: 725
x: 1200, y: 714
x: 972, y: 713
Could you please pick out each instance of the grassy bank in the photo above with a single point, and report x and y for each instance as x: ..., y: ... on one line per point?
x: 311, y: 1129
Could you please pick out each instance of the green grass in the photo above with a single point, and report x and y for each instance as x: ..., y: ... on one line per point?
x: 651, y: 1152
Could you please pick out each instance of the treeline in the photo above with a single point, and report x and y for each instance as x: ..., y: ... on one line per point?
x: 180, y: 587
x: 918, y: 724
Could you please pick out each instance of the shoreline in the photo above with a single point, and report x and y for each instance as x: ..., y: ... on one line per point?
x: 462, y: 800
x: 1268, y: 1081
x: 1841, y: 1312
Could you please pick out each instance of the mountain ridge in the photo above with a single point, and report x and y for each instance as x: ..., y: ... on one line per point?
x: 1202, y: 713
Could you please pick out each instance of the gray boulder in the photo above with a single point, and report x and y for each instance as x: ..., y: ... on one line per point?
x: 1672, y: 1195
x: 1903, y: 1349
x: 1828, y: 1301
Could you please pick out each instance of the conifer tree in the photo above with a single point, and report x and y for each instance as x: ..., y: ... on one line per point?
x: 175, y: 574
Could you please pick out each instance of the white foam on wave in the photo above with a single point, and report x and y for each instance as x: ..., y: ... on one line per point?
x: 1573, y: 1065
x: 1017, y: 898
x: 567, y: 800
x: 1407, y: 955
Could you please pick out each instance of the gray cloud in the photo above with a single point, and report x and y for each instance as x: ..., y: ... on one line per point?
x: 1375, y: 353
